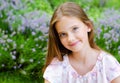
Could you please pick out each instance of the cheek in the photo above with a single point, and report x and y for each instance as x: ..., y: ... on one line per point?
x: 63, y: 41
x: 82, y: 34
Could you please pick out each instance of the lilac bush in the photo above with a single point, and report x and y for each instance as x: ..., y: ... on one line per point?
x: 17, y: 17
x: 23, y: 37
x: 108, y: 31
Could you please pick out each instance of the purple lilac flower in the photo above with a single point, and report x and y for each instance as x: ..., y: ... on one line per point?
x: 33, y: 50
x: 3, y: 65
x: 31, y: 60
x: 108, y: 29
x: 15, y: 67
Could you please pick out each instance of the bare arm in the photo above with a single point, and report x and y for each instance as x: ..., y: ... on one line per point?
x: 117, y: 80
x: 46, y: 81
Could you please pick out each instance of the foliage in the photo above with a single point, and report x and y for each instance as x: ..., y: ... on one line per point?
x: 108, y: 31
x: 15, y: 77
x: 23, y: 34
x: 88, y: 3
x: 20, y: 16
x: 23, y: 40
x: 113, y: 3
x: 55, y: 3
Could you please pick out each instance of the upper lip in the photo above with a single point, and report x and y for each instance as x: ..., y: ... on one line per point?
x: 74, y: 43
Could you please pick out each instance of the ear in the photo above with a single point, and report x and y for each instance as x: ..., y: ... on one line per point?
x: 90, y: 26
x: 89, y: 29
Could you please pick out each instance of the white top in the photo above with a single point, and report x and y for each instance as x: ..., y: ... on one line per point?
x: 105, y: 70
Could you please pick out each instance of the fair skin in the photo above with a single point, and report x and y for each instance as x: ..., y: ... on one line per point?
x: 73, y: 35
x: 46, y: 81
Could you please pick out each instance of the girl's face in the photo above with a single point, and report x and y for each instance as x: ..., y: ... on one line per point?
x: 73, y: 33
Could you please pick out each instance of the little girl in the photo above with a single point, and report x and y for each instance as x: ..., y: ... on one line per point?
x: 73, y: 56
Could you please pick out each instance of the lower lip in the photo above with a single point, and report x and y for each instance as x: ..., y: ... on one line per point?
x: 74, y: 43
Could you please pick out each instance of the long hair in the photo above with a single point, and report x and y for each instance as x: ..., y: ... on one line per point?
x: 55, y: 48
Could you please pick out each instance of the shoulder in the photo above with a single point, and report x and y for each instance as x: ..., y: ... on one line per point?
x: 110, y: 62
x: 111, y: 66
x: 54, y: 65
x: 54, y: 71
x: 109, y: 59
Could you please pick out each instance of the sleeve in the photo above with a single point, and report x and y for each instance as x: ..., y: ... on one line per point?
x: 112, y: 67
x: 53, y: 73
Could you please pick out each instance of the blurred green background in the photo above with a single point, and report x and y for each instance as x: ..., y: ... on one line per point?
x: 24, y: 30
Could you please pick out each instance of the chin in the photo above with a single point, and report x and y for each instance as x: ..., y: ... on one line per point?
x: 76, y: 50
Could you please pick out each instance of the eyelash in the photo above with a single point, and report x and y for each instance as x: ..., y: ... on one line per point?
x: 62, y: 34
x: 75, y: 28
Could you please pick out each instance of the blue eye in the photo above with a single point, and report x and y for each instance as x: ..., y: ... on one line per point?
x: 62, y: 35
x: 75, y: 28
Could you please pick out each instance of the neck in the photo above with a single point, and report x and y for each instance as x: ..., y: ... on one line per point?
x: 83, y: 56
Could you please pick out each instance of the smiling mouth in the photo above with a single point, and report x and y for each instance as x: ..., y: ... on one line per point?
x: 73, y: 44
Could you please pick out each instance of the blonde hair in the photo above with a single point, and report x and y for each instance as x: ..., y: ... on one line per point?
x: 55, y: 48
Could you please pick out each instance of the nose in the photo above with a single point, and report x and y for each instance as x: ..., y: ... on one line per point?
x: 71, y: 37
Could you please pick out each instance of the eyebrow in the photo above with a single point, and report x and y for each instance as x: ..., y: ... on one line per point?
x: 69, y: 27
x: 73, y: 26
x: 60, y: 33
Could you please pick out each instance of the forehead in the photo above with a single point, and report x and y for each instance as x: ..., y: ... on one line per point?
x: 67, y: 22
